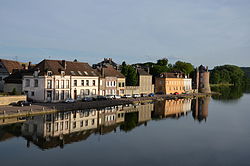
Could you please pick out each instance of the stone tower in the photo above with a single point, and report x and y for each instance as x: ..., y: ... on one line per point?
x: 201, y: 80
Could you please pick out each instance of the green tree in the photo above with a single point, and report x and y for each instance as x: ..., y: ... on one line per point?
x: 130, y: 73
x: 230, y: 74
x: 184, y: 67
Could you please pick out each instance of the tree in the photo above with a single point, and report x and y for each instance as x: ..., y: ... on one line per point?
x: 230, y: 74
x: 130, y: 73
x: 184, y: 67
x: 162, y: 62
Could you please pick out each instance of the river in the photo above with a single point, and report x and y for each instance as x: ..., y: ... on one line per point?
x: 203, y: 131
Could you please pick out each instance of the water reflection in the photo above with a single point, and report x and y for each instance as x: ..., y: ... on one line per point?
x: 229, y: 93
x: 56, y: 130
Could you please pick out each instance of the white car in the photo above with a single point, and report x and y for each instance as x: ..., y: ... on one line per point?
x: 136, y: 95
x: 110, y: 96
x: 127, y: 96
x: 69, y: 100
x: 117, y: 97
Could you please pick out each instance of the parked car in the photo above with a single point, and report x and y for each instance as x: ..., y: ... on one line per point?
x: 127, y: 96
x: 144, y: 95
x: 151, y: 95
x: 101, y: 98
x: 136, y: 95
x: 69, y: 100
x: 85, y: 99
x: 23, y: 103
x: 117, y: 97
x: 176, y: 93
x: 110, y: 96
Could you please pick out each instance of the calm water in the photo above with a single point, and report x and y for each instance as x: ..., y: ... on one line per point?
x: 204, y: 131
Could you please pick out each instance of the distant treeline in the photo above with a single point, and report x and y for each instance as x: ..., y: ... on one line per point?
x: 226, y: 74
x: 155, y: 69
x: 229, y: 74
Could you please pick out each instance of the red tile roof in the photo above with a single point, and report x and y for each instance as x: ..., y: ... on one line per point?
x: 10, y: 65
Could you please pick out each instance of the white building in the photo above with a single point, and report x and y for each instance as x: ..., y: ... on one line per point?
x: 55, y: 80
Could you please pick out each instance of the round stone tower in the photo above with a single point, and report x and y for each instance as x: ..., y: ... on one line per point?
x: 203, y: 85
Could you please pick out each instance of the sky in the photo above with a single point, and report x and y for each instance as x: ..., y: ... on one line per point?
x: 208, y: 32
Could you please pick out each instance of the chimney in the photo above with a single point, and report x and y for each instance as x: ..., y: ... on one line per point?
x: 64, y: 64
x: 148, y: 70
x: 102, y: 71
x: 29, y: 66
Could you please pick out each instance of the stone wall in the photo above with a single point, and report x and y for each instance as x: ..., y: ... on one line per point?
x: 6, y: 100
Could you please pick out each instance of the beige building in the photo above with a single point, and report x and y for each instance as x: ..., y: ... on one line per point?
x: 145, y: 85
x: 111, y: 81
x: 169, y: 83
x: 57, y: 80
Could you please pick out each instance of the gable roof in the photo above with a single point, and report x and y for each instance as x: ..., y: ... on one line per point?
x: 109, y: 71
x: 143, y: 72
x: 70, y: 68
x: 10, y: 65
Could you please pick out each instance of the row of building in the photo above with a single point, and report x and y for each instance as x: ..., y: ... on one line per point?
x: 57, y: 80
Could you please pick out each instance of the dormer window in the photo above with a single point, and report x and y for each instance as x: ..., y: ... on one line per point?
x: 86, y: 73
x: 80, y: 73
x: 49, y: 73
x: 35, y: 74
x: 63, y: 73
x: 72, y: 72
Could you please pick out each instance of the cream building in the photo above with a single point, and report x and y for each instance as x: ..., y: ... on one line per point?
x: 55, y: 80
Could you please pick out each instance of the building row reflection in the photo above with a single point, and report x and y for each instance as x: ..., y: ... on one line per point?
x: 58, y: 129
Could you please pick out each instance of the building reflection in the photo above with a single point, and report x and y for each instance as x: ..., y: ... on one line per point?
x: 58, y: 129
x: 172, y: 108
x: 200, y: 108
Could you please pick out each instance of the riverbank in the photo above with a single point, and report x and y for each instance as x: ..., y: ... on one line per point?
x: 46, y: 108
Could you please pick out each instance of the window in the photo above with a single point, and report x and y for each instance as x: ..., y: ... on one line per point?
x: 74, y: 124
x: 82, y: 82
x: 120, y: 84
x: 48, y: 127
x: 101, y: 82
x: 66, y: 116
x: 94, y: 92
x: 123, y: 84
x: 86, y: 73
x: 35, y: 83
x: 66, y: 125
x: 86, y: 123
x: 56, y: 126
x: 86, y: 92
x: 75, y: 82
x: 81, y: 124
x: 80, y: 73
x: 62, y: 95
x: 49, y: 73
x: 67, y: 94
x: 93, y: 83
x: 62, y: 84
x: 32, y: 93
x: 61, y: 126
x: 49, y: 84
x: 72, y: 73
x: 57, y: 84
x: 27, y: 83
x: 67, y: 84
x: 87, y: 82
x: 93, y: 121
x: 57, y: 95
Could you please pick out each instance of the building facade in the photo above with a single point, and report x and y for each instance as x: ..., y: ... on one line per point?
x: 169, y: 83
x: 6, y: 69
x: 55, y: 80
x: 111, y: 81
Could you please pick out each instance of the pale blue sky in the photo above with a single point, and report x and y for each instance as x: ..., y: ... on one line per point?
x: 210, y: 32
